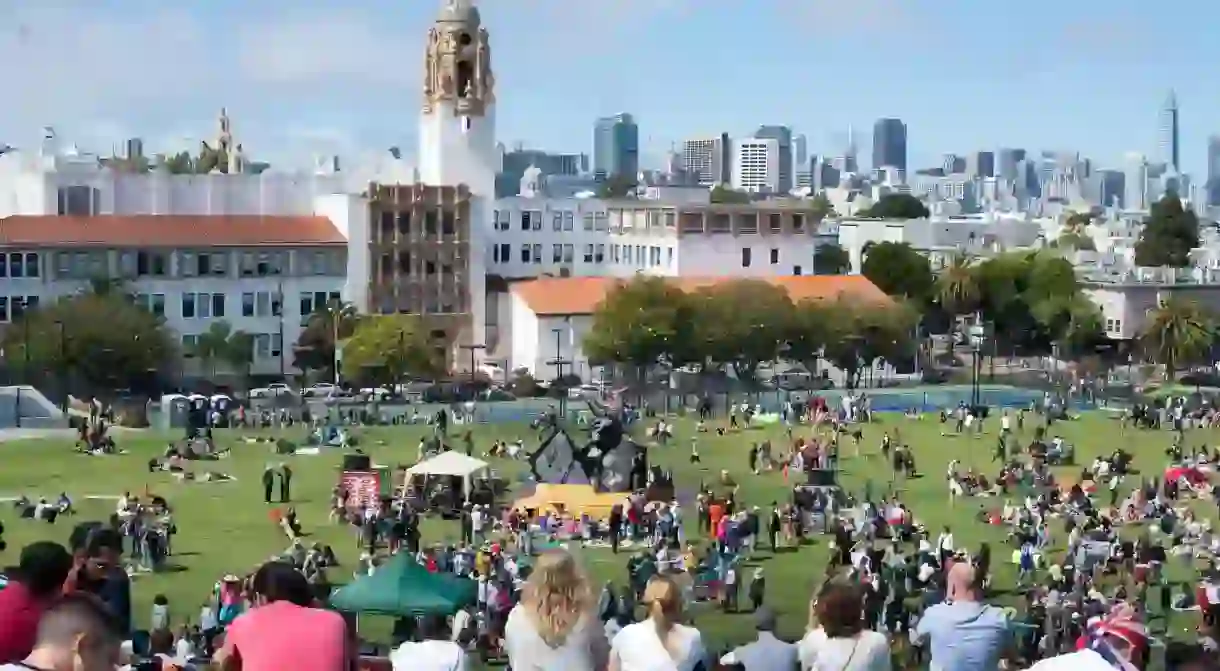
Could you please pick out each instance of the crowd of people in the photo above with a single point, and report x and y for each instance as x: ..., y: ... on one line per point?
x: 892, y: 594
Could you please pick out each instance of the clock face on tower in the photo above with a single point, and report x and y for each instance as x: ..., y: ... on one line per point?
x: 457, y: 62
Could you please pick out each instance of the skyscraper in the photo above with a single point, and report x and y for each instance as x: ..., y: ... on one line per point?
x: 1213, y: 170
x: 1170, y: 150
x: 708, y: 160
x: 890, y: 144
x: 616, y: 147
x: 783, y: 139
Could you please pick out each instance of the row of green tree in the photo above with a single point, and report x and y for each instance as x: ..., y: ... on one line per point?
x: 102, y: 340
x: 739, y: 325
x: 1033, y: 299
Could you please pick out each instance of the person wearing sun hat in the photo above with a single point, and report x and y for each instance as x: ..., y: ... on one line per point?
x: 1119, y: 640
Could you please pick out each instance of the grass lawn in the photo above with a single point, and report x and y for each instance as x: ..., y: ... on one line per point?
x: 226, y: 528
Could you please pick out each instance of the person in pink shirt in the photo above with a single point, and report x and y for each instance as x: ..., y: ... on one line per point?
x: 284, y: 630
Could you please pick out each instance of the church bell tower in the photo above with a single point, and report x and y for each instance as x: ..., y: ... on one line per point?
x: 457, y: 139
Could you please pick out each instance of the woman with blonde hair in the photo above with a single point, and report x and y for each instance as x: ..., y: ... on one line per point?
x: 555, y: 627
x: 660, y: 642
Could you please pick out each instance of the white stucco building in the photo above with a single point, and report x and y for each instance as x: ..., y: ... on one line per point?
x: 262, y: 275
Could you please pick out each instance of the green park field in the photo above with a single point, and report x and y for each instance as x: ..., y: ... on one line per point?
x: 226, y: 528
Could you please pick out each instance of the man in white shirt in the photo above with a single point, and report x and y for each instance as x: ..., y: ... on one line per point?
x: 765, y: 653
x: 433, y: 653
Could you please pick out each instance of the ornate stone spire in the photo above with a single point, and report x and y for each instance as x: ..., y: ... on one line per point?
x: 457, y: 62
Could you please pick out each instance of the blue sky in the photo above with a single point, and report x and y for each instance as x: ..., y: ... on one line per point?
x: 324, y: 76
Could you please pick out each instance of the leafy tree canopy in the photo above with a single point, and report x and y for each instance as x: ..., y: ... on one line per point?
x: 1178, y: 334
x: 899, y: 270
x: 741, y: 323
x: 98, y: 343
x: 640, y: 322
x: 722, y: 193
x: 897, y: 206
x: 315, y: 346
x: 831, y: 259
x: 858, y: 335
x: 388, y: 348
x: 1170, y: 232
x: 220, y: 344
x: 821, y: 207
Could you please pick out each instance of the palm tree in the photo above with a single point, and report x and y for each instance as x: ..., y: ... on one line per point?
x: 957, y: 286
x: 1177, y: 334
x: 221, y: 344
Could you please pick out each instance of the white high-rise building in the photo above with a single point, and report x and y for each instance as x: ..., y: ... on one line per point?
x: 756, y: 164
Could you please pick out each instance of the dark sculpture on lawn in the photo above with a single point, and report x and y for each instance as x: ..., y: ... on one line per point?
x: 605, y: 461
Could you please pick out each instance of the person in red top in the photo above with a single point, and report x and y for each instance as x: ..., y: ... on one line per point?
x: 36, y: 586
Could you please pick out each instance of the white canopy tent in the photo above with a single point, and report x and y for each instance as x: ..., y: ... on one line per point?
x: 454, y: 464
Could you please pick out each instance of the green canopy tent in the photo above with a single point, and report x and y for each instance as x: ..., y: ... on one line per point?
x: 403, y: 588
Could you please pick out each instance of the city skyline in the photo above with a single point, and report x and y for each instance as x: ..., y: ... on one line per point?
x: 338, y: 80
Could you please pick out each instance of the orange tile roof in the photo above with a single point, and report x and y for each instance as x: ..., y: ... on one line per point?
x: 581, y: 295
x: 156, y: 230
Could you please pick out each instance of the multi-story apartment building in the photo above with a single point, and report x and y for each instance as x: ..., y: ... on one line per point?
x: 263, y: 275
x: 756, y: 165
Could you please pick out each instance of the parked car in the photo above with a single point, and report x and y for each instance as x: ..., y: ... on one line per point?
x: 272, y: 390
x: 322, y: 390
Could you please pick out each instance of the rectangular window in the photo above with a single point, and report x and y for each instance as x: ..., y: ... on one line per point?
x: 537, y: 253
x: 306, y: 305
x: 247, y: 304
x: 277, y: 304
x: 602, y: 221
x: 157, y: 305
x: 218, y: 305
x: 4, y: 308
x: 599, y: 255
x: 525, y: 253
x: 569, y: 253
x: 189, y: 345
x: 536, y: 220
x: 4, y: 264
x: 669, y: 256
x: 568, y: 218
x: 557, y: 221
x: 556, y: 253
x: 31, y: 264
x: 774, y: 256
x: 796, y: 270
x: 263, y: 304
x: 220, y: 264
x: 277, y: 344
x: 186, y: 262
x: 203, y: 306
x: 262, y: 346
x: 15, y: 267
x: 505, y: 252
x: 188, y: 306
x: 587, y: 221
x: 63, y: 265
x: 525, y: 220
x: 745, y: 257
x: 589, y: 253
x: 247, y: 264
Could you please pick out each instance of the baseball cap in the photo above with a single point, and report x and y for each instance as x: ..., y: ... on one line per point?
x: 764, y: 619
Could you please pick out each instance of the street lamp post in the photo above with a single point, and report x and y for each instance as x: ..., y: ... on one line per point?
x: 558, y: 362
x: 63, y: 364
x: 334, y: 311
x: 472, y: 348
